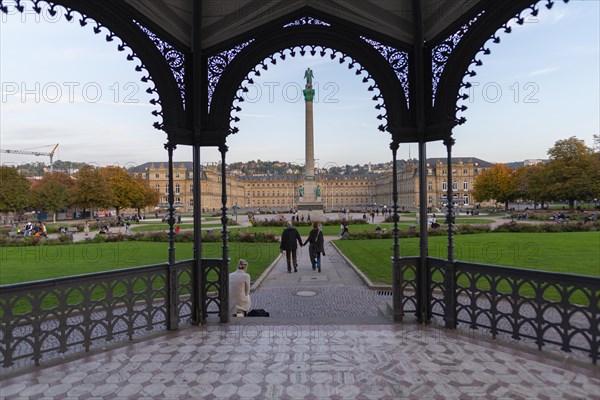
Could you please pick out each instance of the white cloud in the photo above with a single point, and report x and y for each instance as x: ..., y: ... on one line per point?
x: 544, y: 71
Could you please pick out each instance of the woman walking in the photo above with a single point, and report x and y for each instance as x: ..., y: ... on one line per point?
x: 316, y: 245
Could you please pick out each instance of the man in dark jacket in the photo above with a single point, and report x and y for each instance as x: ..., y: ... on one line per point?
x: 290, y: 239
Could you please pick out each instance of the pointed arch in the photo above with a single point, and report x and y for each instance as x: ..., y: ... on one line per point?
x: 253, y: 55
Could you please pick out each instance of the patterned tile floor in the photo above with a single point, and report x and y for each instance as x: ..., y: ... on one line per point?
x: 305, y: 352
x: 271, y: 360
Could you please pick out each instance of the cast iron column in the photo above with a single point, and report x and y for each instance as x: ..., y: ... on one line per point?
x: 423, y: 276
x: 172, y: 316
x: 198, y: 316
x: 224, y: 270
x: 397, y: 273
x: 449, y: 273
x: 449, y: 142
x: 196, y: 110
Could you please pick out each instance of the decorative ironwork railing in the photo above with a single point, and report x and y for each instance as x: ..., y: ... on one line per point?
x: 40, y: 320
x: 548, y: 308
x: 214, y: 298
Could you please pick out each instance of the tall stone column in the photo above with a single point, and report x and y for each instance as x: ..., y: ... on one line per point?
x: 310, y: 143
x: 309, y: 196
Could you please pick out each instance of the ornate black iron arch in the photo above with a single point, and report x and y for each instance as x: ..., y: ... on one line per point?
x: 160, y: 62
x: 465, y: 53
x: 323, y: 52
x: 385, y: 68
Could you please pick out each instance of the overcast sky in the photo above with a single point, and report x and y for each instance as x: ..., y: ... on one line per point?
x: 63, y: 84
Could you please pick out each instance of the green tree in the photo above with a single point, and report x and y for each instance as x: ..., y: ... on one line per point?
x: 14, y: 190
x: 533, y: 183
x: 499, y: 183
x: 91, y: 189
x: 52, y: 192
x: 125, y: 189
x: 143, y: 195
x: 572, y: 171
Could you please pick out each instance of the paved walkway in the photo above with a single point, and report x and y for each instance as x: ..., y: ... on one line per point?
x: 324, y: 340
x: 336, y: 291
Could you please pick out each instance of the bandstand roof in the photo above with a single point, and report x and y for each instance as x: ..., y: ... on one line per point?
x: 222, y: 20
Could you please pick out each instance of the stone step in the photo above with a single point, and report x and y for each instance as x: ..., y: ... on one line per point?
x: 386, y: 309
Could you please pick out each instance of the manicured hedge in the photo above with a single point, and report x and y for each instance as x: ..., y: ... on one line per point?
x: 466, y: 229
x: 329, y: 222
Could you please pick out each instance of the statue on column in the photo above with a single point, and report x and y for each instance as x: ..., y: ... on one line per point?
x: 309, y: 92
x: 318, y: 191
x: 308, y: 74
x: 301, y: 191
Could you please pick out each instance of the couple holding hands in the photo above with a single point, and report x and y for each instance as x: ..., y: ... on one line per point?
x: 290, y: 239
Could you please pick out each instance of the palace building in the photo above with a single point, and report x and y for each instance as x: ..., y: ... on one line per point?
x: 280, y: 192
x: 156, y: 175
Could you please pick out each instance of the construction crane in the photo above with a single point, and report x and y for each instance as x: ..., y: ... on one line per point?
x: 36, y: 153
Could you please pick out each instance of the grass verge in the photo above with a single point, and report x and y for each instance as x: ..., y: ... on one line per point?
x: 25, y: 264
x: 570, y: 252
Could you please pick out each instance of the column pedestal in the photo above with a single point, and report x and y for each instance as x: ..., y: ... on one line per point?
x: 310, y: 200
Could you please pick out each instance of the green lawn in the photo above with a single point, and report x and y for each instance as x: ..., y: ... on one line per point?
x: 24, y: 264
x: 573, y: 253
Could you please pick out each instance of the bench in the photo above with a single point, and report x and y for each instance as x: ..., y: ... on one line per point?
x: 71, y: 230
x: 68, y: 230
x: 13, y: 234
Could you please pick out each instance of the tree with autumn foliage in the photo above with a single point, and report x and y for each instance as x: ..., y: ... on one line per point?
x: 534, y: 183
x: 14, y: 190
x: 499, y: 183
x: 91, y: 189
x: 52, y: 192
x: 125, y: 189
x: 573, y: 171
x: 143, y: 196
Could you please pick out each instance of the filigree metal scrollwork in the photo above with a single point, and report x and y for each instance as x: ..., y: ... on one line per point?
x: 74, y: 314
x: 306, y: 21
x: 531, y: 11
x: 211, y: 271
x: 407, y: 282
x: 69, y: 14
x: 398, y: 60
x: 441, y: 53
x: 174, y: 58
x: 217, y: 64
x: 534, y: 305
x: 184, y: 288
x: 302, y: 51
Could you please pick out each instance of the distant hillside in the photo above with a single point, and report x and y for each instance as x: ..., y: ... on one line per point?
x: 260, y: 167
x: 39, y: 168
